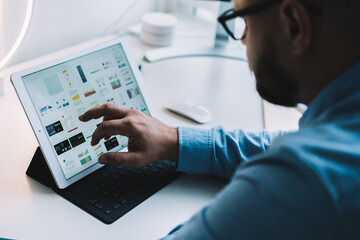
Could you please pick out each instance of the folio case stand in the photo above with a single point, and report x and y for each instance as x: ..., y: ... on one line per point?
x: 39, y: 170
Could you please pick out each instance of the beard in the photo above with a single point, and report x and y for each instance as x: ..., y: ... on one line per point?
x: 273, y: 82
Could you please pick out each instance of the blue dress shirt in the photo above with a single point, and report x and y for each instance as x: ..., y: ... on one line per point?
x: 298, y: 185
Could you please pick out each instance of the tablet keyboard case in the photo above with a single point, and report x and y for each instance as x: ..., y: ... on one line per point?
x: 110, y: 192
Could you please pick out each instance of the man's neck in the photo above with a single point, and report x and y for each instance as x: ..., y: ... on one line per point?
x: 322, y: 74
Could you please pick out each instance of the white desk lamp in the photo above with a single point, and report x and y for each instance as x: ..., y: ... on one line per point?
x: 17, y: 43
x: 221, y: 47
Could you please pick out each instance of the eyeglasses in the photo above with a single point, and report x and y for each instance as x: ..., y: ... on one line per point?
x: 235, y: 19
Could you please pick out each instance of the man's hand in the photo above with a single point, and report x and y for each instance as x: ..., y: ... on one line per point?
x: 149, y: 139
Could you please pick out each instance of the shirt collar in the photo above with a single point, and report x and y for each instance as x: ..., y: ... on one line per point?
x: 343, y: 87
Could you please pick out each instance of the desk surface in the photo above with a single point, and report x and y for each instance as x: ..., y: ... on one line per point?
x: 32, y: 211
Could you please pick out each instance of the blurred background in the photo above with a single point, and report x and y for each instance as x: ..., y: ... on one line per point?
x: 58, y: 24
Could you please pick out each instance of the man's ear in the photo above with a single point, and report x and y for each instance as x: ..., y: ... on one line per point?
x: 296, y: 22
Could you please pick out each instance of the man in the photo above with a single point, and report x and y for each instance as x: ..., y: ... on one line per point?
x: 300, y: 185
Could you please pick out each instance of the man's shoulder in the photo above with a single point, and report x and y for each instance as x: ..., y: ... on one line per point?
x: 341, y: 136
x: 330, y: 151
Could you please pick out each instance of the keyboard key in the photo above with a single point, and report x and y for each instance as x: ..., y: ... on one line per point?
x: 155, y: 170
x: 105, y: 193
x: 123, y: 201
x: 107, y: 210
x: 99, y: 206
x: 116, y: 195
x: 115, y: 205
x: 162, y: 166
x: 93, y: 200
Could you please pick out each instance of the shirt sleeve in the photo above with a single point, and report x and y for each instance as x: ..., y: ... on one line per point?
x: 267, y: 198
x: 218, y: 152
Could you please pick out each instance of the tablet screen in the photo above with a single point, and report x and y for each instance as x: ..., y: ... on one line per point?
x: 63, y: 92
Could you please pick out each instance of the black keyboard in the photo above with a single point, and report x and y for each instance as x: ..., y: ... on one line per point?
x: 111, y: 192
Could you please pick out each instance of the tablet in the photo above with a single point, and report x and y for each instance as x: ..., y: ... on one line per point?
x: 54, y: 94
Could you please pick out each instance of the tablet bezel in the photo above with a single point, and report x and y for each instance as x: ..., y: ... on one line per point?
x: 40, y: 131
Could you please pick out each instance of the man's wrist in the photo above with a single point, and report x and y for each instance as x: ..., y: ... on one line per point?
x: 174, y: 145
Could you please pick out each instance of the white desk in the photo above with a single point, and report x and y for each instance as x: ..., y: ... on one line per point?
x: 29, y: 210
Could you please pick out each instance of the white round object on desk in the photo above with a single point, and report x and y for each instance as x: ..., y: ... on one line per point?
x: 158, y: 29
x: 156, y: 40
x: 158, y: 23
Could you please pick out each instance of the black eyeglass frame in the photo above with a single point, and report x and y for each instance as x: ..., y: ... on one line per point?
x: 231, y: 14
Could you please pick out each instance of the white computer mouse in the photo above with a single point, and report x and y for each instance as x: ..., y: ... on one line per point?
x: 191, y: 111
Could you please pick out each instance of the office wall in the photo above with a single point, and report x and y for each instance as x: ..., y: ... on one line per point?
x: 1, y: 30
x: 57, y: 24
x: 174, y: 5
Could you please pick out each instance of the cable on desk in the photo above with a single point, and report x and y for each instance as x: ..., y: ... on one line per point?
x: 120, y: 18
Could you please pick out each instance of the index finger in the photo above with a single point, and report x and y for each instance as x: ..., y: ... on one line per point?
x: 109, y: 111
x: 111, y: 128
